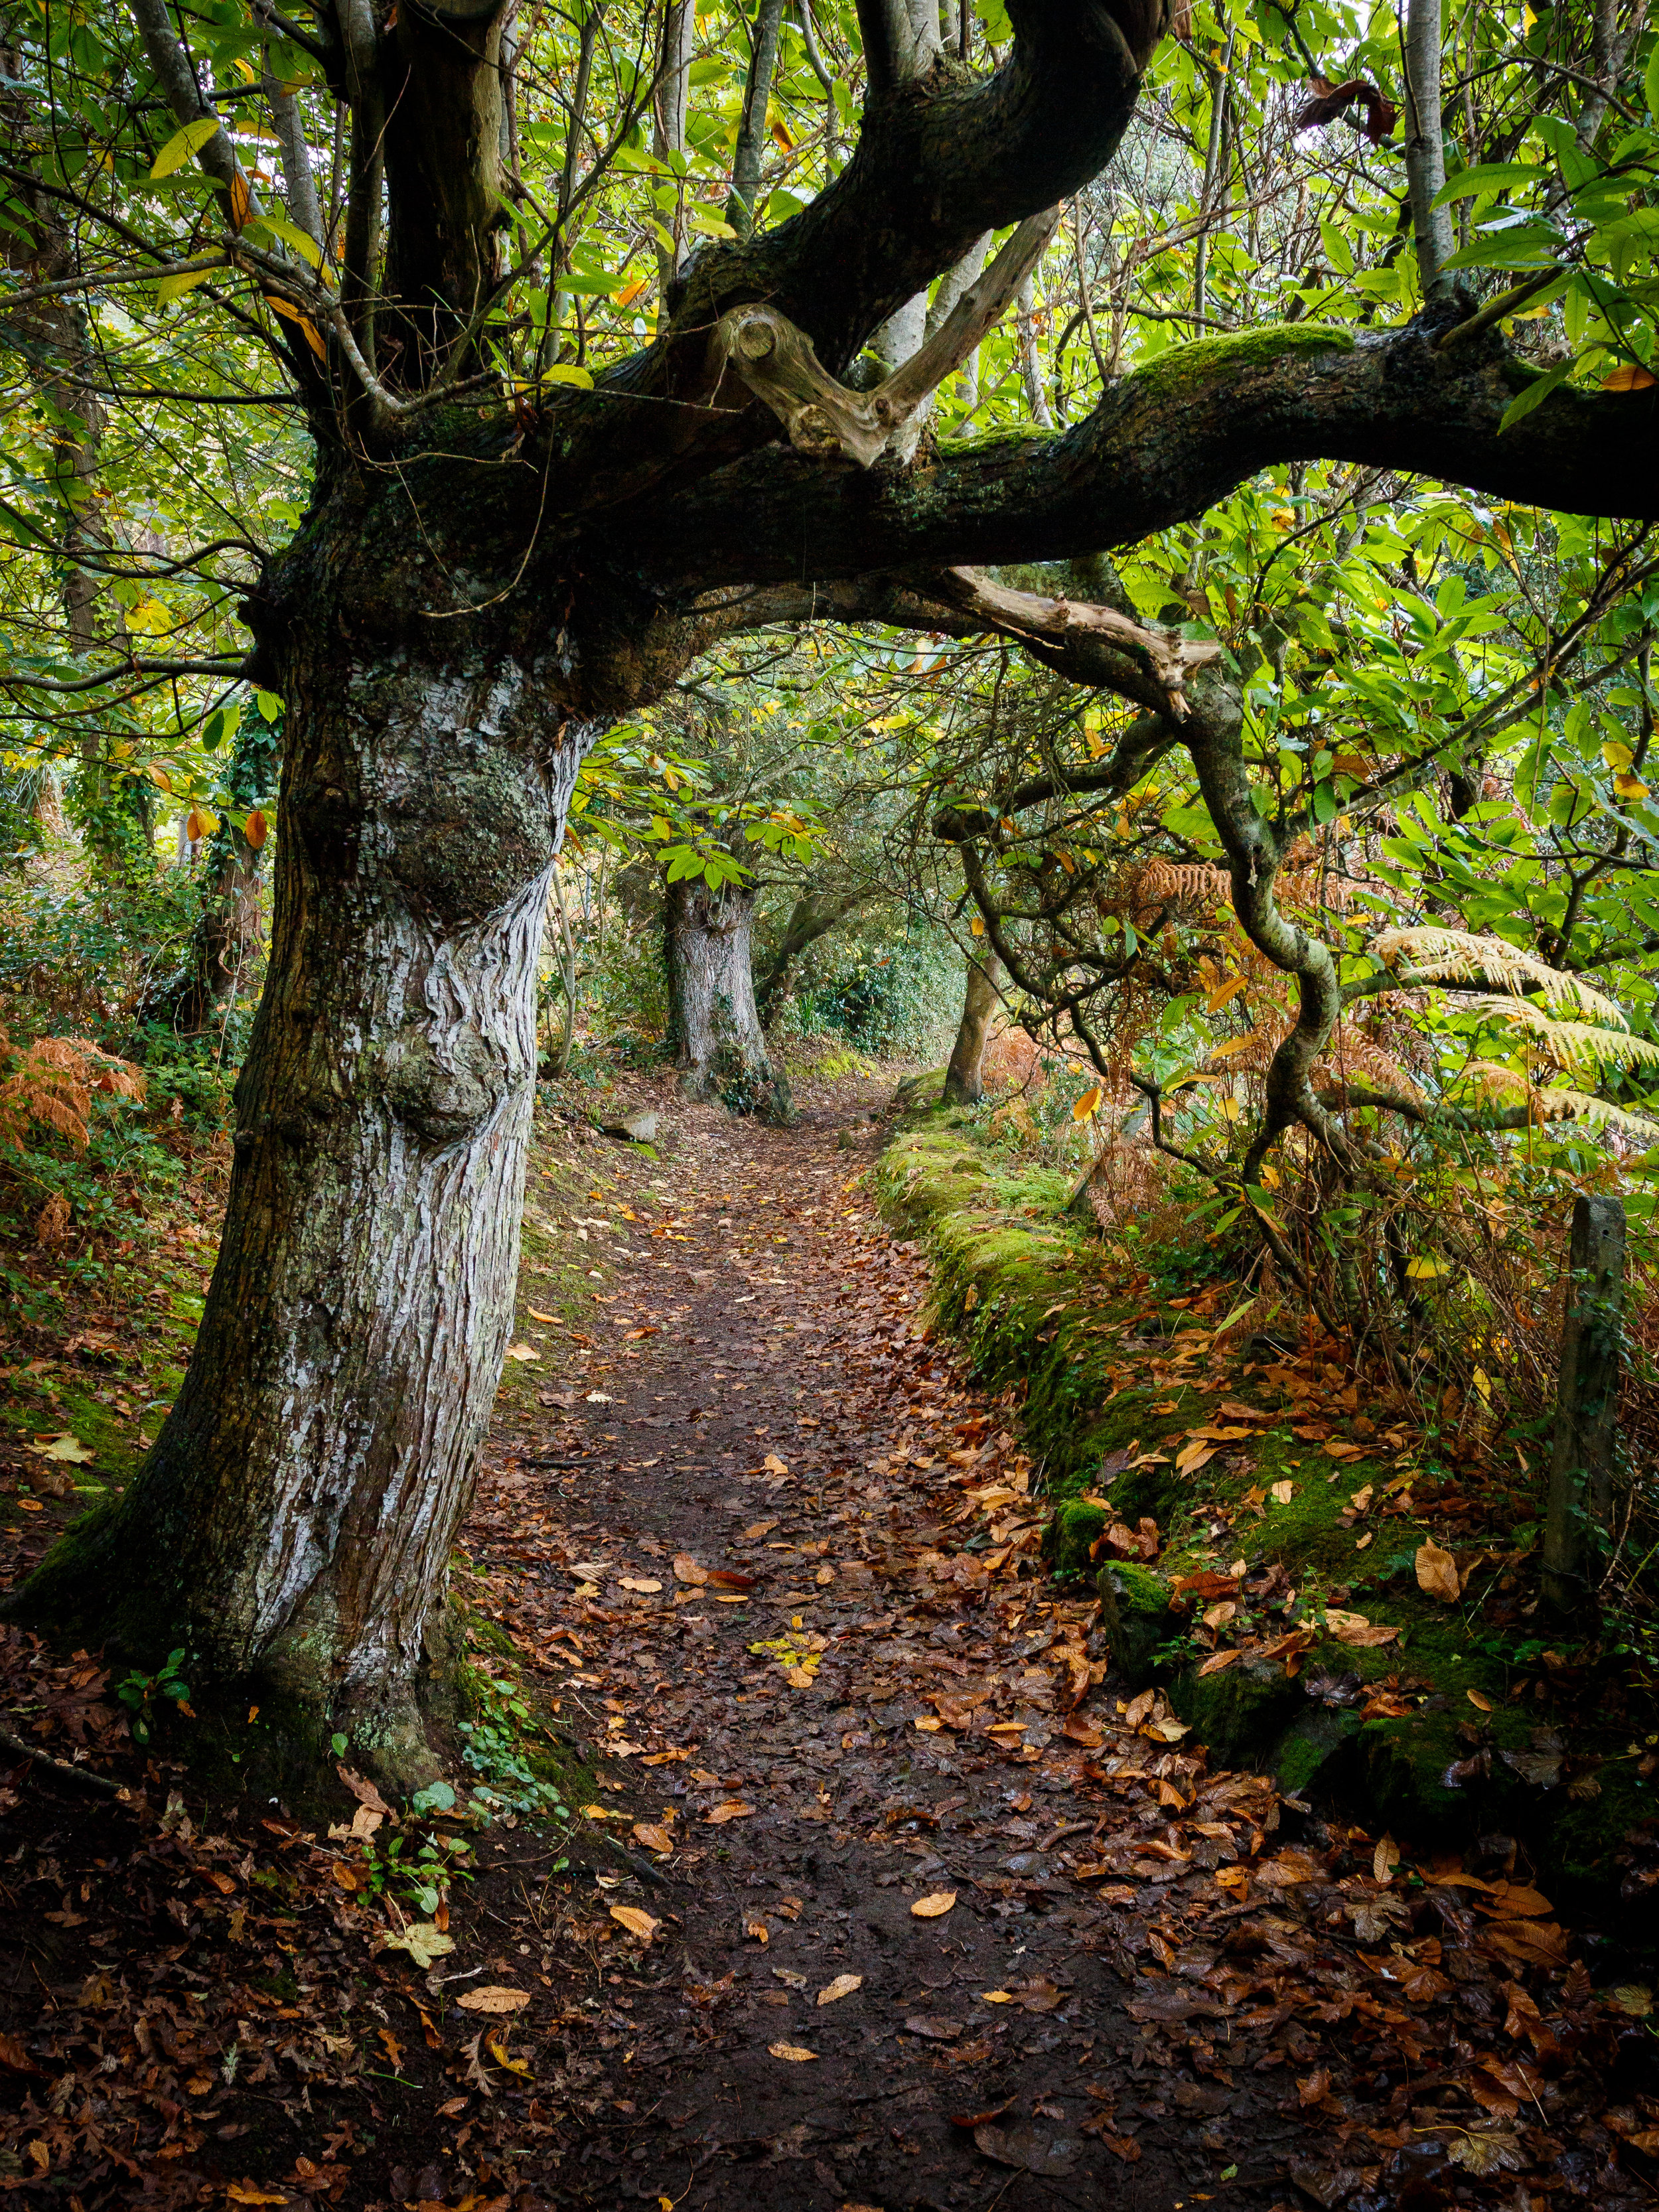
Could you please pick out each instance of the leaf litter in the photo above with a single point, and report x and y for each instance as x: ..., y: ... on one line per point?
x: 1076, y: 1947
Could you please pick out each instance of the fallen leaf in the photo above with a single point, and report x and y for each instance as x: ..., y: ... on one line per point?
x: 522, y: 1352
x: 792, y: 2051
x: 688, y: 1570
x: 548, y: 1320
x: 493, y: 1996
x: 655, y: 1838
x: 1282, y: 1492
x: 732, y: 1808
x: 757, y: 1930
x: 63, y: 1447
x: 1026, y: 2149
x: 422, y: 1941
x: 249, y: 2192
x: 645, y: 1584
x: 1353, y: 1628
x: 934, y: 1905
x: 1385, y: 1859
x: 933, y: 2029
x: 1218, y: 1660
x: 1437, y: 1572
x: 773, y: 1465
x: 842, y: 1986
x: 637, y: 1923
x: 1481, y: 1704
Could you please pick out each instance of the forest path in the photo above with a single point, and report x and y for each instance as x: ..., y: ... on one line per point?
x: 764, y: 1405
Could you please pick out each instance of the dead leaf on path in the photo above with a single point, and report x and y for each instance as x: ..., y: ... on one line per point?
x: 1481, y: 1704
x: 636, y: 1922
x: 1025, y: 2148
x: 933, y: 2029
x: 688, y: 1570
x: 13, y: 2055
x: 522, y: 1352
x: 655, y: 1838
x: 645, y: 1584
x: 422, y: 1941
x: 732, y: 1808
x: 1214, y: 1664
x: 1138, y: 1709
x: 789, y: 1906
x: 547, y: 1320
x: 757, y: 1930
x: 1078, y: 1730
x: 249, y: 2192
x: 1315, y: 2088
x: 1353, y: 1628
x: 723, y: 1578
x: 788, y: 1974
x: 934, y: 1905
x: 494, y: 1997
x: 1437, y: 1572
x: 1282, y: 1492
x: 773, y: 1465
x: 1385, y: 1859
x: 792, y: 2051
x: 842, y: 1986
x: 756, y: 1530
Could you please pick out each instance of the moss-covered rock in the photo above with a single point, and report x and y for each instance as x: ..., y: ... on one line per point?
x: 1136, y: 1615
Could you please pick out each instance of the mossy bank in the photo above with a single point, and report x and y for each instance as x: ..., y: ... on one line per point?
x: 1274, y: 1509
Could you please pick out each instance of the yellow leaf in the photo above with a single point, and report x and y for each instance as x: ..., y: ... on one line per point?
x: 1481, y: 1704
x: 1629, y: 376
x: 241, y: 200
x: 647, y: 1585
x: 1423, y: 1271
x: 249, y: 2192
x: 1630, y: 786
x: 493, y: 1996
x: 635, y: 1921
x: 773, y: 1465
x: 256, y: 830
x: 977, y: 925
x: 998, y: 1996
x: 842, y: 1986
x: 1617, y: 756
x: 182, y: 144
x: 308, y: 329
x: 934, y: 1907
x: 793, y: 2052
x: 631, y: 292
x: 1088, y: 1105
x: 182, y: 281
x: 63, y: 1447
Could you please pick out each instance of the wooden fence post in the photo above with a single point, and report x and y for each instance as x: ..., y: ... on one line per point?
x: 1581, y: 1472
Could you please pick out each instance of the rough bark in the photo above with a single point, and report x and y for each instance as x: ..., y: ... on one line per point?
x: 713, y: 1023
x: 1580, y: 1501
x: 294, y: 1521
x: 965, y: 1082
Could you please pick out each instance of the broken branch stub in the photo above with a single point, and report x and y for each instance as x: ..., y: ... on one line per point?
x: 821, y: 415
x: 1172, y: 659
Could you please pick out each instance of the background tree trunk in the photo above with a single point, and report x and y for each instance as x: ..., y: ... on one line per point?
x: 963, y: 1084
x: 713, y: 1024
x: 292, y: 1522
x: 809, y: 919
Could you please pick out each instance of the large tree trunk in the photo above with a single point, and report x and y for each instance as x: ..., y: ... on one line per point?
x: 963, y: 1082
x: 713, y: 1024
x: 292, y: 1522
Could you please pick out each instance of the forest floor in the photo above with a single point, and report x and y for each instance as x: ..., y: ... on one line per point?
x: 909, y: 1906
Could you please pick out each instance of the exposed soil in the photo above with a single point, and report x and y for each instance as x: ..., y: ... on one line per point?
x: 771, y: 1556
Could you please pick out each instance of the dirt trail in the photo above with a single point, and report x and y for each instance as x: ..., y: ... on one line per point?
x: 850, y: 1814
x: 911, y: 1911
x: 1155, y: 1985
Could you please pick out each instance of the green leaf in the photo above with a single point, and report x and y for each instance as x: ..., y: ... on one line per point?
x: 1491, y: 176
x: 269, y: 705
x: 182, y: 144
x: 182, y: 281
x: 291, y: 234
x: 1534, y: 394
x: 1650, y: 81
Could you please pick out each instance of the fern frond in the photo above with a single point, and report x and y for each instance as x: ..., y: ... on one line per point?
x: 1558, y: 1103
x: 1454, y: 956
x: 1569, y: 1041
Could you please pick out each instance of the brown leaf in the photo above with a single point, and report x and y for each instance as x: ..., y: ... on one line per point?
x: 1437, y: 1572
x: 688, y: 1570
x: 493, y: 1996
x: 792, y: 2051
x: 1027, y: 2150
x: 1327, y: 102
x: 842, y: 1986
x: 364, y: 1792
x: 732, y: 1808
x: 934, y: 2029
x: 635, y: 1921
x: 934, y: 1905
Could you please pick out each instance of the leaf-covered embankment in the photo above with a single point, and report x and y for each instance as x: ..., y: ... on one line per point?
x: 1262, y: 1528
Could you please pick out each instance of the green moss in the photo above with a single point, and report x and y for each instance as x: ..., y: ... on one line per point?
x: 1036, y: 1303
x: 1184, y: 366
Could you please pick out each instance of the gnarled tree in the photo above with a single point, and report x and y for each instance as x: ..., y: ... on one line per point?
x: 488, y: 575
